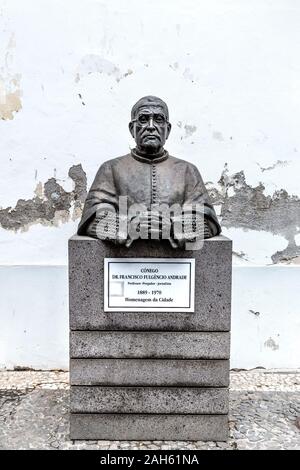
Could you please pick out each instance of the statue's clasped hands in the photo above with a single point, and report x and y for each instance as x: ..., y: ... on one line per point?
x: 148, y: 225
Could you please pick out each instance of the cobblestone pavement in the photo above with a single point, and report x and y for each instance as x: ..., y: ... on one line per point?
x: 264, y: 413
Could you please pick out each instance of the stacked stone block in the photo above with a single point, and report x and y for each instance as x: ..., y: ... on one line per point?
x: 149, y: 375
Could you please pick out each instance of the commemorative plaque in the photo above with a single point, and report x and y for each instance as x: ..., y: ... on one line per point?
x: 149, y: 284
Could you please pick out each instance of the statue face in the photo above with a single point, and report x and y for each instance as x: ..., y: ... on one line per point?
x: 150, y: 128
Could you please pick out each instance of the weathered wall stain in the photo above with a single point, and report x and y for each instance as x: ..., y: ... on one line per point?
x: 10, y: 91
x: 270, y: 343
x: 243, y: 206
x: 190, y: 129
x: 255, y: 313
x: 174, y: 66
x: 278, y: 163
x: 217, y: 135
x: 80, y: 97
x: 186, y: 73
x: 50, y: 205
x: 240, y: 254
x: 10, y: 103
x: 93, y: 63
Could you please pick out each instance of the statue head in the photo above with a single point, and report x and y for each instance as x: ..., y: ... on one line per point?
x: 149, y: 125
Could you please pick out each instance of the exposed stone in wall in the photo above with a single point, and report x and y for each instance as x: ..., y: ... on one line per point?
x: 243, y: 206
x: 51, y: 205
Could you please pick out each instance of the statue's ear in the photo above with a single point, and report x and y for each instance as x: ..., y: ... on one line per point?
x: 131, y: 129
x: 169, y: 127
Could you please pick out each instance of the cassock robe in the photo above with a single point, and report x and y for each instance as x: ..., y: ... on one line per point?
x: 164, y: 179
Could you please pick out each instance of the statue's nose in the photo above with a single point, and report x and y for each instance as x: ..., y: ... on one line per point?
x: 151, y: 124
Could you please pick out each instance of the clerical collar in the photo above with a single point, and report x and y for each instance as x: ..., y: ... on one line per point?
x: 157, y: 158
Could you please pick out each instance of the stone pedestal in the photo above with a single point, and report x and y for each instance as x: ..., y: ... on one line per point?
x: 149, y: 375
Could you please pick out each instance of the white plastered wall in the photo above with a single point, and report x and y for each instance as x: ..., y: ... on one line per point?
x: 69, y: 74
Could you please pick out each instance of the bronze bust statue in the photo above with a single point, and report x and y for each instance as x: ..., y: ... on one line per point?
x: 134, y: 195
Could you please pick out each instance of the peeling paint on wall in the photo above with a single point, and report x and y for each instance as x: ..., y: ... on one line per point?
x: 93, y: 63
x: 278, y: 163
x: 10, y: 101
x: 240, y: 254
x: 243, y: 206
x: 50, y: 206
x: 10, y: 91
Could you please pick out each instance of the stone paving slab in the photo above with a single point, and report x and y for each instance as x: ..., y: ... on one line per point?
x: 149, y: 344
x: 183, y: 400
x: 264, y: 407
x: 150, y: 372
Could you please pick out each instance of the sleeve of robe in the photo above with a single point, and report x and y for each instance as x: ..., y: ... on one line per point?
x: 101, y: 196
x: 196, y: 193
